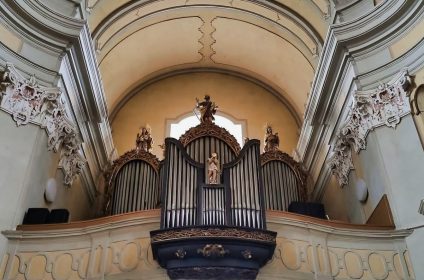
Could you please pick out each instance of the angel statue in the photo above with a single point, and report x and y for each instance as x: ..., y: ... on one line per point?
x: 213, y: 169
x: 207, y: 109
x: 144, y: 140
x: 272, y: 141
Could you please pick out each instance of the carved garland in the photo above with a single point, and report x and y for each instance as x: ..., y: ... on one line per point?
x: 213, y: 233
x: 210, y: 129
x: 385, y: 105
x: 27, y: 102
x: 294, y: 165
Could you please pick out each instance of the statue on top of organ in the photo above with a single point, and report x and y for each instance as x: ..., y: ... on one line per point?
x: 144, y: 140
x: 207, y: 109
x: 272, y: 141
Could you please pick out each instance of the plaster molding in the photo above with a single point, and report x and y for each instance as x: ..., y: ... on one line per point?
x: 29, y: 102
x: 345, y: 44
x: 348, y: 40
x: 383, y: 106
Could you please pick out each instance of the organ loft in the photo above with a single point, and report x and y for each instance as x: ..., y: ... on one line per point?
x: 210, y: 139
x: 212, y: 194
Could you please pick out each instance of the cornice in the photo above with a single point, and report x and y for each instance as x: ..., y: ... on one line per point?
x: 151, y: 218
x: 350, y: 39
x: 40, y: 17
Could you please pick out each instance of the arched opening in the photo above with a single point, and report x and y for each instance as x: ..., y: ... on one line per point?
x: 177, y: 128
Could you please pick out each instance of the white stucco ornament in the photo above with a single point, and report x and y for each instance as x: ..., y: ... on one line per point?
x: 28, y: 102
x: 50, y: 190
x: 385, y: 105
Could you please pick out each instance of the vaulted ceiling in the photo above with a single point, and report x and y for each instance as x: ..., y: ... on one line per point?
x: 276, y: 44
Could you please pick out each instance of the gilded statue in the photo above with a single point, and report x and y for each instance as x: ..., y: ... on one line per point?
x: 144, y: 140
x: 272, y: 141
x: 207, y: 109
x: 213, y: 169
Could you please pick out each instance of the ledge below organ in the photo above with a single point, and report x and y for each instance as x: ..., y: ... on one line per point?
x: 119, y: 247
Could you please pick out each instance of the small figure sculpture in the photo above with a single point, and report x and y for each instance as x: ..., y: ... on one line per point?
x: 213, y: 169
x: 207, y: 109
x: 144, y: 140
x: 272, y: 141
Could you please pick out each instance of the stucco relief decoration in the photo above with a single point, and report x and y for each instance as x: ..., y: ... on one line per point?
x: 385, y: 105
x: 28, y: 102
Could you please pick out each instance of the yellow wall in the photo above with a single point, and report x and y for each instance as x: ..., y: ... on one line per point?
x: 172, y: 97
x: 408, y: 40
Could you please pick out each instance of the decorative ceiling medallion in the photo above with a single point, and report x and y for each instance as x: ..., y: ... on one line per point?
x: 27, y: 102
x: 385, y: 105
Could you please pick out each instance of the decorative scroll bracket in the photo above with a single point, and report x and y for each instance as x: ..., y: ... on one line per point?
x: 385, y: 105
x: 28, y: 102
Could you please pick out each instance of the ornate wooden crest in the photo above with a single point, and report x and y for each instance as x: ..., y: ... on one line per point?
x: 135, y: 154
x: 210, y: 129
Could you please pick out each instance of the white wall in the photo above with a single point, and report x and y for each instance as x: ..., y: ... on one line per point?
x: 392, y: 164
x: 25, y: 166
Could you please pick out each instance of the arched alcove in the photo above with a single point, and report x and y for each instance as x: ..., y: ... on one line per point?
x: 171, y: 99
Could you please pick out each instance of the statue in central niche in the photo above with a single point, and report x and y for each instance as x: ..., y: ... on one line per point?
x: 213, y: 169
x: 207, y: 109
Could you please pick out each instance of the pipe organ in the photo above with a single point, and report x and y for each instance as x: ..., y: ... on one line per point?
x: 182, y: 176
x: 284, y: 180
x: 243, y: 176
x: 212, y: 196
x: 133, y: 183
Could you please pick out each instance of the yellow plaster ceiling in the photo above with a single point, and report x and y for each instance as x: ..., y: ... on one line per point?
x: 275, y: 42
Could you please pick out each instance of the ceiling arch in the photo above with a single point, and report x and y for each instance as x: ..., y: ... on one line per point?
x: 237, y: 73
x: 262, y: 39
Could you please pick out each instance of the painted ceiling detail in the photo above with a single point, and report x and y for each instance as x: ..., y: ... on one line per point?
x: 207, y: 39
x: 276, y: 42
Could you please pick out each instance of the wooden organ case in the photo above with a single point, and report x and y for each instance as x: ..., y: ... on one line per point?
x: 133, y: 183
x: 212, y: 231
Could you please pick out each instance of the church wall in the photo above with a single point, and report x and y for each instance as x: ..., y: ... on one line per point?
x: 173, y: 97
x: 16, y: 145
x: 392, y: 164
x: 334, y: 202
x: 26, y: 167
x: 402, y: 158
